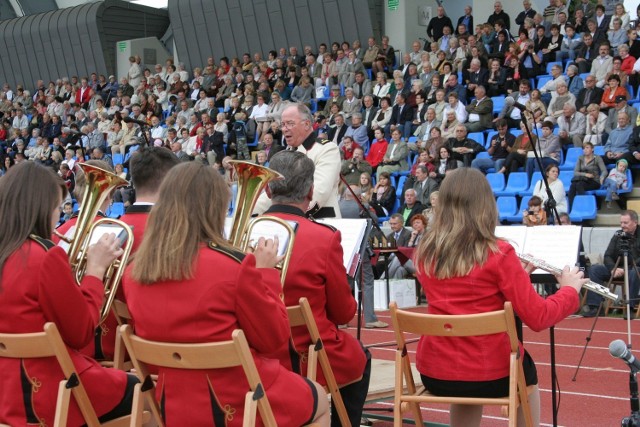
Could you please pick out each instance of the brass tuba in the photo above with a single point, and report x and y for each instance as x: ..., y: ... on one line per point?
x: 99, y: 183
x: 252, y: 179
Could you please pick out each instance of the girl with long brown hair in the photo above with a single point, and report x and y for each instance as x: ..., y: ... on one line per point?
x: 38, y: 286
x: 465, y: 269
x: 187, y: 284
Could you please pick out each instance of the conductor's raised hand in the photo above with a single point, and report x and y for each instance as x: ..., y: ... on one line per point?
x: 266, y: 253
x: 572, y: 276
x: 101, y: 254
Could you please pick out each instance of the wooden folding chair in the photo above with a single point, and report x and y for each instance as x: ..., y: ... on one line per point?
x: 301, y: 315
x: 123, y: 316
x: 49, y: 344
x: 495, y: 322
x: 218, y: 355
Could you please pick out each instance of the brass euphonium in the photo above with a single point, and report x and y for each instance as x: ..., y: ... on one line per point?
x: 252, y: 179
x: 99, y: 183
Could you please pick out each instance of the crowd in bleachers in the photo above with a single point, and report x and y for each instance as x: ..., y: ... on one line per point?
x: 576, y: 73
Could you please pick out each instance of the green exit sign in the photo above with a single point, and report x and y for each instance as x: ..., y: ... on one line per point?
x: 122, y: 46
x: 393, y: 4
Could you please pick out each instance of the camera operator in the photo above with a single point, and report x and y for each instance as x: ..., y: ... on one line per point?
x: 354, y: 167
x: 628, y: 238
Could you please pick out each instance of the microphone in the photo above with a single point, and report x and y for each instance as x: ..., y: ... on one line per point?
x: 128, y: 119
x: 70, y: 131
x: 619, y: 349
x: 511, y: 102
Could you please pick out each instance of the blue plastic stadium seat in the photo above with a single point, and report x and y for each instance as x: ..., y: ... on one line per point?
x: 537, y: 176
x: 490, y: 135
x: 517, y: 182
x: 496, y: 181
x: 115, y: 210
x: 565, y: 177
x: 117, y: 159
x: 584, y: 207
x: 542, y: 80
x: 483, y: 155
x: 498, y: 103
x: 507, y: 206
x: 571, y: 159
x: 477, y: 136
x: 401, y: 181
x: 598, y: 150
x: 517, y: 217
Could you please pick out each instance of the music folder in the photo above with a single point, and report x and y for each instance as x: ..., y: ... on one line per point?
x: 353, y: 232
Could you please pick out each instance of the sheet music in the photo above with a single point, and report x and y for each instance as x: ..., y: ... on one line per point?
x: 271, y: 229
x: 556, y: 245
x: 352, y: 231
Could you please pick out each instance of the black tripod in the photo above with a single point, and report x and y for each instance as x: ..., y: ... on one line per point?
x: 624, y: 248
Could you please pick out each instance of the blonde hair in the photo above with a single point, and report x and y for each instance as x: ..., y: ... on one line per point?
x: 463, y: 231
x: 190, y: 211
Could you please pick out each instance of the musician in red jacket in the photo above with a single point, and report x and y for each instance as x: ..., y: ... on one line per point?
x: 316, y: 272
x: 186, y: 284
x: 102, y: 346
x: 475, y: 272
x: 148, y: 166
x: 38, y: 286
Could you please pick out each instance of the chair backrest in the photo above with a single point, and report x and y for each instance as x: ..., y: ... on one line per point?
x: 225, y: 354
x: 301, y: 315
x: 507, y: 206
x: 466, y: 325
x: 518, y: 181
x: 565, y: 177
x: 496, y: 181
x: 477, y: 136
x: 49, y: 344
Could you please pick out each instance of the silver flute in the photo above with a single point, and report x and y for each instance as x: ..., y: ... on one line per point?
x: 591, y: 286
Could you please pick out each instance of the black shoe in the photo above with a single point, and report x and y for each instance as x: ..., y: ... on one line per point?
x: 590, y: 312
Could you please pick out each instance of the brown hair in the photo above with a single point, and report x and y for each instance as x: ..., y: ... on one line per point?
x: 29, y: 193
x: 191, y: 208
x: 458, y: 240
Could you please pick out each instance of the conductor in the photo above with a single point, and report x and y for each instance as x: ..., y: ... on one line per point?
x: 297, y: 127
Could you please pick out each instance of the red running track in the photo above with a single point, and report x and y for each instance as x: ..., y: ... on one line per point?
x: 598, y: 397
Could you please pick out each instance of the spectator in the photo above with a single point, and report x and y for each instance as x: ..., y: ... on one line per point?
x: 498, y: 149
x: 572, y: 126
x: 589, y: 173
x: 480, y: 112
x: 617, y: 145
x: 437, y: 24
x: 464, y: 149
x: 595, y: 125
x: 549, y: 146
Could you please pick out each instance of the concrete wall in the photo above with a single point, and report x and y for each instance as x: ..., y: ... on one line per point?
x: 402, y: 25
x: 204, y: 28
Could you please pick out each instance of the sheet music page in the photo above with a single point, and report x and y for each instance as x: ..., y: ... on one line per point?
x: 515, y: 235
x: 271, y: 229
x: 556, y: 245
x: 352, y: 231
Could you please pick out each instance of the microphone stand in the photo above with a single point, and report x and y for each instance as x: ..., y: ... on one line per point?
x: 551, y: 205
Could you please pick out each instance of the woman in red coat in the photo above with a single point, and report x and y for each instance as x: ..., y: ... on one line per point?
x: 188, y: 285
x: 37, y: 286
x: 475, y: 272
